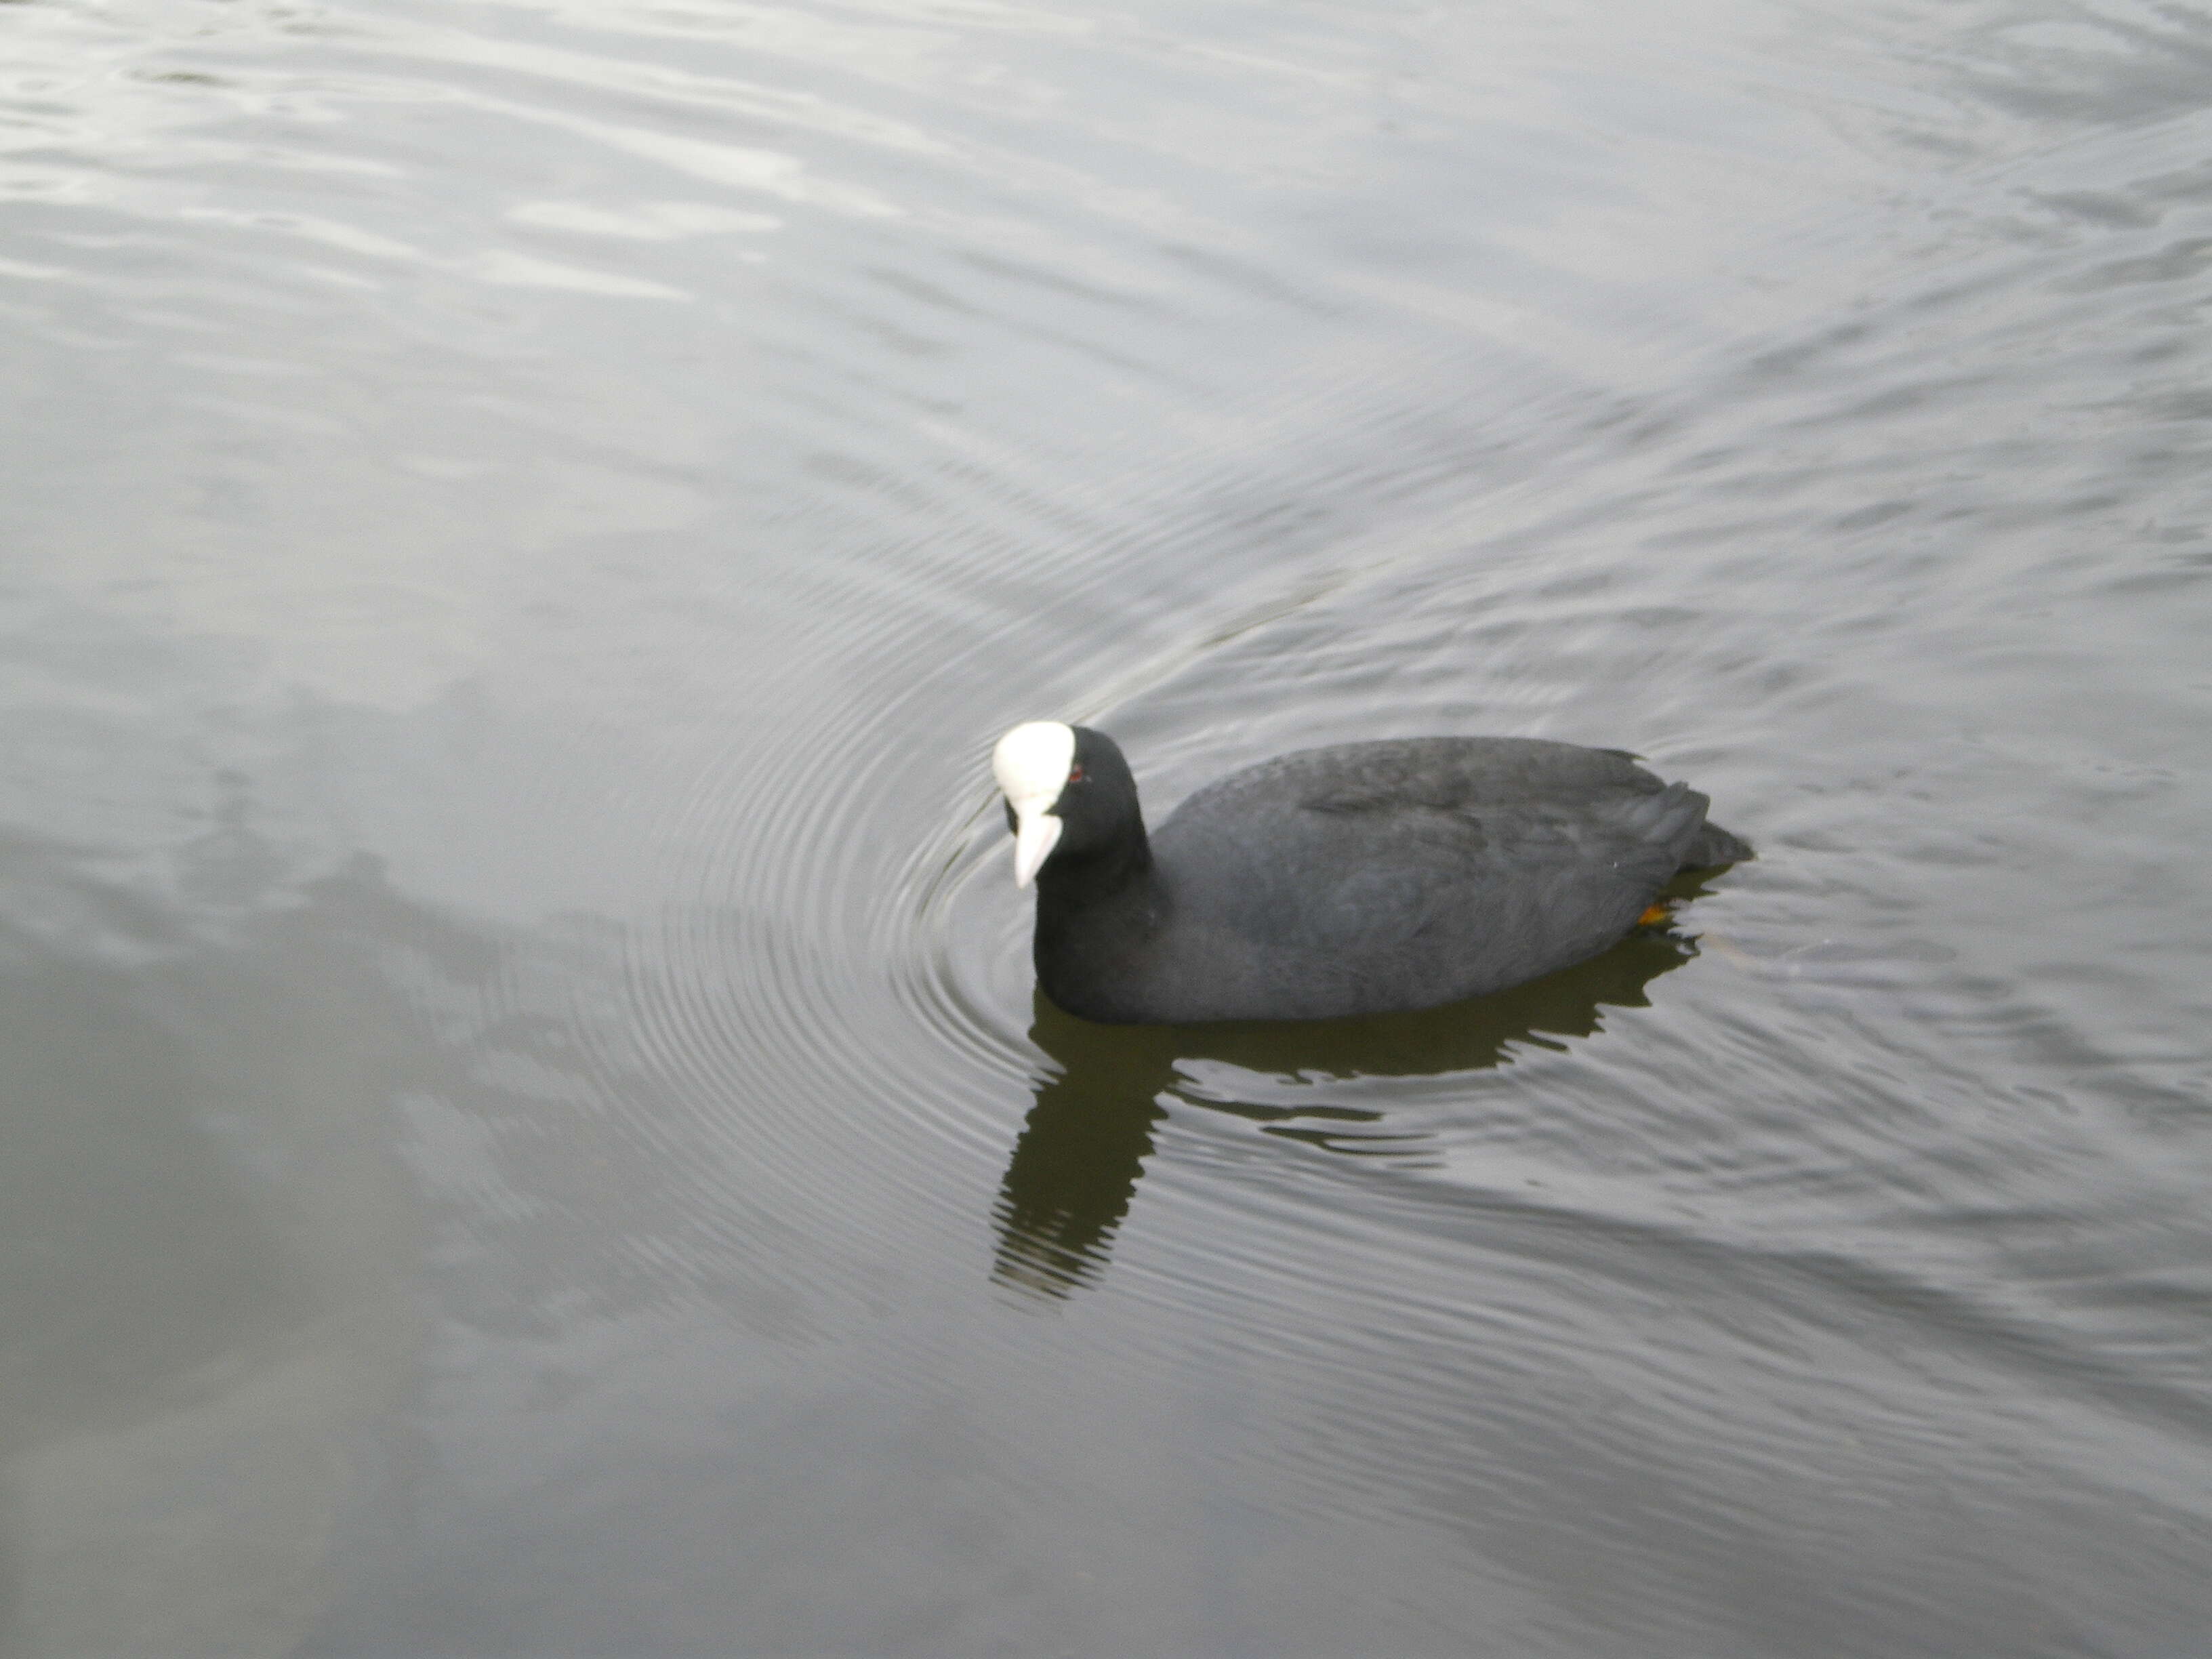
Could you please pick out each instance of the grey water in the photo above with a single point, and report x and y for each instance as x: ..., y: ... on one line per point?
x: 526, y: 1129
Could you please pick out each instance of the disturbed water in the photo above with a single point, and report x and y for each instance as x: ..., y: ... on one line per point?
x: 527, y: 1128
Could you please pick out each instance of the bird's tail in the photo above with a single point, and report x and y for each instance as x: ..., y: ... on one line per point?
x: 1714, y: 844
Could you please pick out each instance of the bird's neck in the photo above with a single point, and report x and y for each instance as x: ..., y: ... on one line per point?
x: 1110, y: 875
x: 1096, y: 922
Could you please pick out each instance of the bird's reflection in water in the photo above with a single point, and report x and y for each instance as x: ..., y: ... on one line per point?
x: 1074, y: 1169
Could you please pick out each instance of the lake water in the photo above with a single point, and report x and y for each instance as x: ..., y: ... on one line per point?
x: 527, y: 1127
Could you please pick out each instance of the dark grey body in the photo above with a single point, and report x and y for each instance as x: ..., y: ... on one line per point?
x: 1364, y: 878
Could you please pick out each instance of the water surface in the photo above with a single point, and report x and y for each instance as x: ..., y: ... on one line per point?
x: 528, y: 1127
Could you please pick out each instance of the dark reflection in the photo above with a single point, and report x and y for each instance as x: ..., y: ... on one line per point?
x: 1074, y: 1169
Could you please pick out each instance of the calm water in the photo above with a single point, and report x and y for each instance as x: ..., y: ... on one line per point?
x: 526, y: 1129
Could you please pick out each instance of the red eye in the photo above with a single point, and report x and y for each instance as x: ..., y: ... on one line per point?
x: 1076, y: 776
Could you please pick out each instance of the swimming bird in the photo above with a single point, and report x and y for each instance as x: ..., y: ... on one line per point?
x: 1362, y: 878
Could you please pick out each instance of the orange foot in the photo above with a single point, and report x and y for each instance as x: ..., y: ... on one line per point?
x: 1655, y: 916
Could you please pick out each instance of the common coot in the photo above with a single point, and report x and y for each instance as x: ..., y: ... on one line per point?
x: 1363, y: 878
